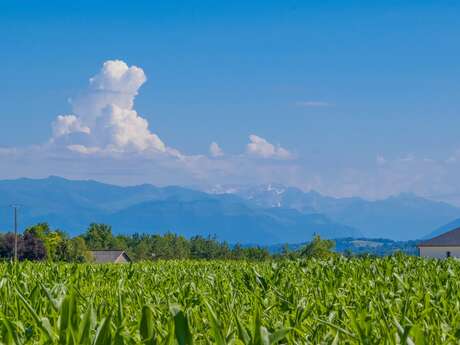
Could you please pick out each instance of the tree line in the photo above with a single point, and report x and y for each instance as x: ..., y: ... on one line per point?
x: 40, y: 242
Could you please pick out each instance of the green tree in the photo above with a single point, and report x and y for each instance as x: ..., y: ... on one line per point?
x: 318, y: 248
x: 77, y: 250
x: 171, y: 246
x: 99, y: 237
x: 52, y: 240
x: 237, y: 252
x: 256, y: 253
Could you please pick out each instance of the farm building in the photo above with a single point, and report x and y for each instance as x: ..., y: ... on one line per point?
x: 110, y: 256
x: 442, y: 246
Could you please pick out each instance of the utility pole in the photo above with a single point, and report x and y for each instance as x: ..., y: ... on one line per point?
x: 15, y: 212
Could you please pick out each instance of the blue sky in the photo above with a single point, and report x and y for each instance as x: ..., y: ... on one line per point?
x: 364, y: 97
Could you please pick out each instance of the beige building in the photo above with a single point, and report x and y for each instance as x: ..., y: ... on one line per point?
x: 110, y: 256
x: 443, y: 246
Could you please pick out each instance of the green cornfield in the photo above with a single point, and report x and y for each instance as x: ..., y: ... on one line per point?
x: 394, y: 300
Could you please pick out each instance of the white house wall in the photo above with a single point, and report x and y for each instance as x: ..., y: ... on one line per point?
x: 439, y: 252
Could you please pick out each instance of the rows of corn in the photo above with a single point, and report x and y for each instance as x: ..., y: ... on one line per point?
x: 396, y: 300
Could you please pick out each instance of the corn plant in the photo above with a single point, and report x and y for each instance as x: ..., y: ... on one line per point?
x: 395, y: 300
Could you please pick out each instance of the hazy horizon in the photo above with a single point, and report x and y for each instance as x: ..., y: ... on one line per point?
x: 220, y: 188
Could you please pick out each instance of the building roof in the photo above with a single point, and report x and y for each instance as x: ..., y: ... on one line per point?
x: 107, y: 256
x: 447, y: 239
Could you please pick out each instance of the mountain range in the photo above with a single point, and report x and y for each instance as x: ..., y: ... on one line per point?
x: 73, y: 205
x: 401, y: 217
x: 263, y: 215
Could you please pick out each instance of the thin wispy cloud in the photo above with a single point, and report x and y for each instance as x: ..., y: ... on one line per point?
x: 313, y: 104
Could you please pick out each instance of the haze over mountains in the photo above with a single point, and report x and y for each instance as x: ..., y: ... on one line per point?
x: 261, y: 214
x: 402, y: 217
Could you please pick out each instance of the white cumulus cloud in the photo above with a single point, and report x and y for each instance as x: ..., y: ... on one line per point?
x: 262, y: 148
x: 67, y: 124
x: 104, y: 138
x: 215, y: 150
x: 103, y: 118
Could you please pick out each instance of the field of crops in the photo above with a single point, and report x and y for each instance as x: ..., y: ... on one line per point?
x: 336, y: 301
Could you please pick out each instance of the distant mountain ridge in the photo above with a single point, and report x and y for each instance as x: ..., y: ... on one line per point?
x: 264, y: 214
x: 73, y: 205
x: 402, y: 217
